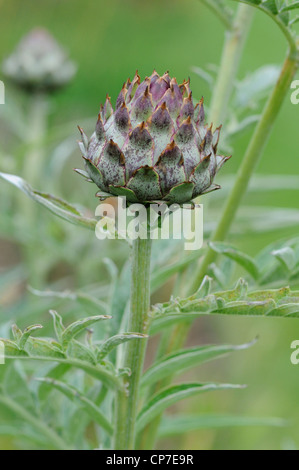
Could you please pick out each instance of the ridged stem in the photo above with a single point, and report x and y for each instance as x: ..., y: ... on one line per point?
x: 250, y: 161
x: 127, y: 399
x: 231, y: 56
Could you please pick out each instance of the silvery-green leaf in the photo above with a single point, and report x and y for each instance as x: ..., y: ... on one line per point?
x: 77, y: 327
x: 55, y: 205
x: 183, y: 360
x: 171, y: 395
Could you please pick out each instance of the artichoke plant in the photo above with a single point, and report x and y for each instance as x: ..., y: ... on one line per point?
x: 39, y: 63
x: 154, y: 146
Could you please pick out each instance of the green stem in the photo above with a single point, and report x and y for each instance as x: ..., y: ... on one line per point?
x: 231, y: 56
x: 251, y: 159
x: 127, y: 399
x: 37, y: 127
x: 33, y: 173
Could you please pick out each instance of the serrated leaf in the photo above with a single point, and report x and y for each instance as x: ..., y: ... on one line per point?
x: 255, y: 309
x: 77, y: 327
x: 178, y: 425
x: 39, y: 347
x: 272, y: 302
x: 181, y: 361
x: 12, y: 349
x: 238, y: 293
x: 242, y: 259
x: 115, y: 341
x: 171, y: 395
x: 98, y: 372
x: 278, y: 295
x: 27, y: 333
x: 55, y: 205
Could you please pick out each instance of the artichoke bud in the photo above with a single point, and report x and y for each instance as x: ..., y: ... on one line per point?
x: 39, y: 63
x: 154, y: 145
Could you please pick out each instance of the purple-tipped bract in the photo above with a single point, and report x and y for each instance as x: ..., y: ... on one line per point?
x: 154, y: 145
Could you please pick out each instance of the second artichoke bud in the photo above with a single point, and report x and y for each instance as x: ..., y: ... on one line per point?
x: 154, y: 145
x: 39, y: 63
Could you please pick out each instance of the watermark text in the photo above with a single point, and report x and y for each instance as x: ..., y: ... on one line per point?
x: 2, y: 353
x: 2, y: 93
x: 295, y: 354
x: 295, y: 94
x: 158, y: 221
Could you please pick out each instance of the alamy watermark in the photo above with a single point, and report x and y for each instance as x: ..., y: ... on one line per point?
x: 295, y: 94
x: 295, y: 354
x: 2, y: 353
x: 2, y: 93
x: 158, y: 221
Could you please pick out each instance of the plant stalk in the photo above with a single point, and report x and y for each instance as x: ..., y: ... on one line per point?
x: 251, y: 159
x: 33, y: 173
x: 37, y: 128
x: 127, y: 399
x: 231, y: 56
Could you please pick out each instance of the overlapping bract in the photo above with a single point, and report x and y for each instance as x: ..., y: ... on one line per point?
x: 39, y: 63
x: 154, y: 145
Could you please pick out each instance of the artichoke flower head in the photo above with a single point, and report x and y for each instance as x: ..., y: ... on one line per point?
x: 154, y: 146
x: 39, y: 63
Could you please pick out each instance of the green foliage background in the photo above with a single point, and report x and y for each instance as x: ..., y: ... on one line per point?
x: 109, y: 40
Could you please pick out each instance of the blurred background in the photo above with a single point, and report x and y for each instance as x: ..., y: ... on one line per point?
x: 109, y: 41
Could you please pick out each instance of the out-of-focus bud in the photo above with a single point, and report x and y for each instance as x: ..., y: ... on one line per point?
x: 39, y: 63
